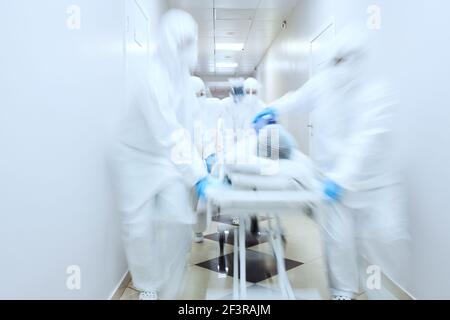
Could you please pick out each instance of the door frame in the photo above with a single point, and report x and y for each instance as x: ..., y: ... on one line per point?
x: 331, y: 23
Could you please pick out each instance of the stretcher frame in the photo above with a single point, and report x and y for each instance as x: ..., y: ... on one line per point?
x: 245, y: 203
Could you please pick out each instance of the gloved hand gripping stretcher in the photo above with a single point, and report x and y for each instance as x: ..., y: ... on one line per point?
x: 263, y: 186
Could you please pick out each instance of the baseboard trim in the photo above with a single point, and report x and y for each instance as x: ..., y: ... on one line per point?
x: 396, y: 289
x: 393, y: 287
x: 120, y: 285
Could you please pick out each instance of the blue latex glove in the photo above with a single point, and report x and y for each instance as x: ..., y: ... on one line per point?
x: 266, y: 117
x: 210, y: 162
x: 208, y: 182
x: 332, y: 190
x: 201, y: 187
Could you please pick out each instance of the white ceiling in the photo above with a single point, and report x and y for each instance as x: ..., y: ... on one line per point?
x: 253, y: 22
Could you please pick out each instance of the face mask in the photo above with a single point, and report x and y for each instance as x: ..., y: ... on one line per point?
x: 251, y: 99
x: 238, y: 94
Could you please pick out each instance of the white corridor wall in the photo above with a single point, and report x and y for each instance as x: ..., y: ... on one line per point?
x: 62, y: 86
x: 411, y: 50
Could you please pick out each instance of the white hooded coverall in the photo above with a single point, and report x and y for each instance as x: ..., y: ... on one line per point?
x: 354, y: 118
x: 238, y: 116
x: 156, y: 165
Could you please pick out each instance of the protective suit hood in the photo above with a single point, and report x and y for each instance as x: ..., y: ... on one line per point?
x: 251, y: 88
x: 198, y: 86
x: 251, y: 85
x: 177, y: 43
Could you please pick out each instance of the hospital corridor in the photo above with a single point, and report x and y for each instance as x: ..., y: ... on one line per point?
x: 224, y: 150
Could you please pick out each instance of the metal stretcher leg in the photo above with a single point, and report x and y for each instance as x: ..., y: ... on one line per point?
x: 243, y: 201
x: 235, y: 267
x: 222, y: 242
x: 242, y: 258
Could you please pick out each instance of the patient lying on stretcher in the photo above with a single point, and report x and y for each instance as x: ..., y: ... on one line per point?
x: 274, y: 164
x: 270, y: 161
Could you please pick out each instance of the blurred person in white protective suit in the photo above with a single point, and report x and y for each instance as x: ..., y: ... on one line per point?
x: 206, y: 119
x: 158, y: 172
x: 205, y: 135
x: 363, y: 221
x: 238, y: 112
x: 252, y: 101
x: 238, y: 137
x: 243, y: 104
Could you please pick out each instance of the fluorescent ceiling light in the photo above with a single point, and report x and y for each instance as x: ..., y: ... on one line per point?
x: 230, y: 46
x: 226, y: 65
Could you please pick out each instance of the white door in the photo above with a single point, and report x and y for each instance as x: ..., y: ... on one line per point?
x: 319, y: 46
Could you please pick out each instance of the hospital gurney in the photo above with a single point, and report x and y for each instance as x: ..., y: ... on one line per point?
x: 275, y: 180
x: 244, y: 203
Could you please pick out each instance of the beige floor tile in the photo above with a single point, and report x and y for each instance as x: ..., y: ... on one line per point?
x: 301, y: 225
x: 309, y: 281
x: 118, y: 294
x: 131, y: 286
x: 362, y: 296
x: 202, y: 284
x: 255, y: 293
x: 295, y: 225
x: 304, y: 245
x: 199, y: 284
x: 303, y: 249
x: 130, y: 294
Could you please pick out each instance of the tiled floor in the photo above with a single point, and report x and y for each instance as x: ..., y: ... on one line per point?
x: 210, y: 276
x: 250, y: 240
x: 259, y: 267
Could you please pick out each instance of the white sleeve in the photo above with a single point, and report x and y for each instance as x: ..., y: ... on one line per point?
x: 171, y: 139
x: 364, y: 159
x: 303, y: 99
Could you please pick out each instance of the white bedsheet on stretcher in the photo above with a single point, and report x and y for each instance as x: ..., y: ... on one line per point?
x: 274, y: 175
x: 242, y: 181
